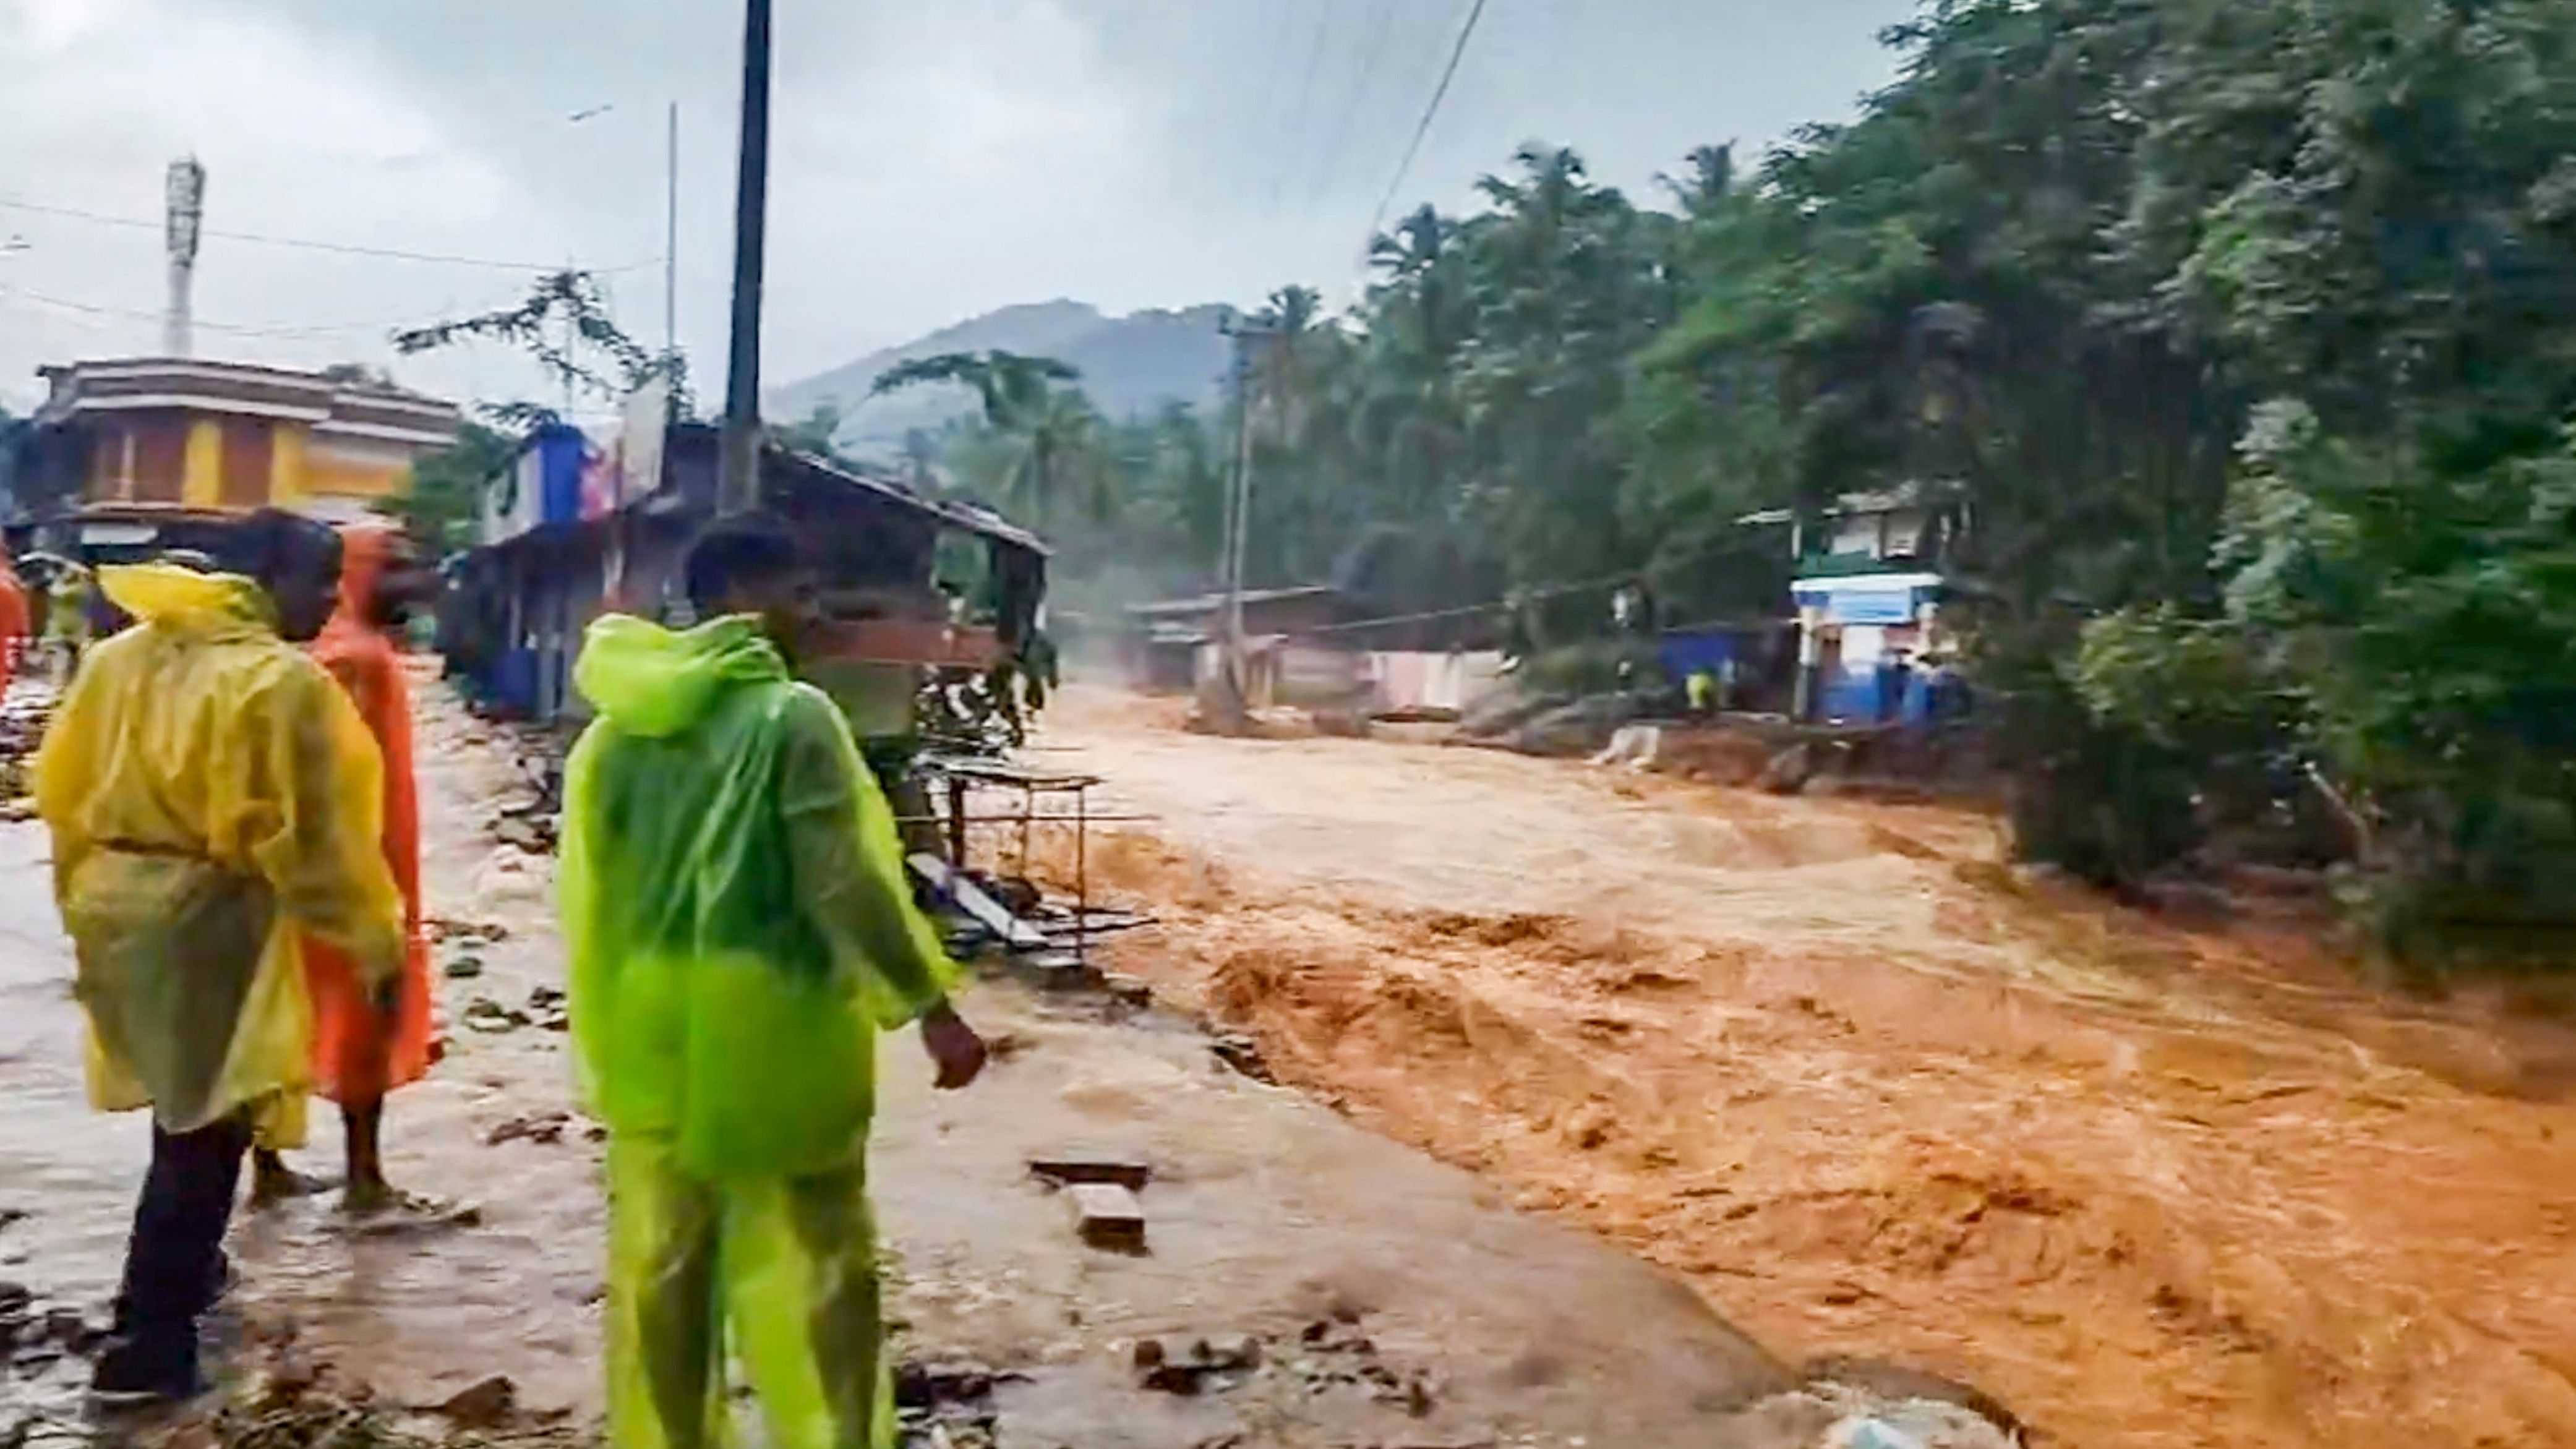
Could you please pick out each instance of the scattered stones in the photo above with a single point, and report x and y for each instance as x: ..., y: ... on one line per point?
x: 544, y: 1128
x: 547, y: 1005
x: 472, y: 933
x: 1108, y: 1216
x: 1243, y: 1054
x: 464, y: 968
x: 946, y: 1406
x: 486, y: 1015
x: 1066, y: 1169
x: 1128, y: 989
x: 486, y: 1405
x: 1221, y: 1364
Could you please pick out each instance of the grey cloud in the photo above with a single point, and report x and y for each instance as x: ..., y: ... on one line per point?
x: 933, y: 159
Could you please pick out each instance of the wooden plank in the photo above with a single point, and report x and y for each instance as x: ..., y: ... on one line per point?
x: 985, y: 911
x: 1074, y: 1166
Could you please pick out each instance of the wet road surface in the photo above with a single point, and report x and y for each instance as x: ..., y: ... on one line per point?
x: 1268, y: 1214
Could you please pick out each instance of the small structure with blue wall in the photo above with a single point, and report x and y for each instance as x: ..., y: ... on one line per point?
x: 1868, y: 591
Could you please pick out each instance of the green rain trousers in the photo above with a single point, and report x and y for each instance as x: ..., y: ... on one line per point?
x: 789, y: 1263
x: 739, y: 931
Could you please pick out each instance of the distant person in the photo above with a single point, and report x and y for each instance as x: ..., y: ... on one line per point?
x: 14, y: 620
x: 739, y: 930
x: 67, y: 619
x: 359, y: 1053
x: 211, y: 794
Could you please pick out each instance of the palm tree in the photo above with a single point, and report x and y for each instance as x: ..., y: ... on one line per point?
x: 1055, y: 428
x: 1012, y: 386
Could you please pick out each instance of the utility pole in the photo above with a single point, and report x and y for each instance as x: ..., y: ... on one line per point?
x: 1238, y: 513
x: 738, y: 479
x: 671, y: 239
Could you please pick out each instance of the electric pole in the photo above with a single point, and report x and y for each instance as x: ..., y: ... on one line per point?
x: 738, y: 478
x: 671, y: 239
x: 1238, y: 514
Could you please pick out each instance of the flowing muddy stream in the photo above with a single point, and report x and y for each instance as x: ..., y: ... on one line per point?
x: 1871, y: 1091
x: 1389, y: 1299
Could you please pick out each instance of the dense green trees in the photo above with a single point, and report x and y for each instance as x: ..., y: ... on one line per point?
x: 2246, y: 331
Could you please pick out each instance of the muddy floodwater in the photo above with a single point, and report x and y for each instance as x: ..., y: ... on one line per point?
x: 1386, y: 1298
x: 1871, y: 1091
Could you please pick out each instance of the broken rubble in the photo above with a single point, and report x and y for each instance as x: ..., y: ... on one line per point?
x: 1108, y: 1216
x: 485, y: 1405
x: 1065, y: 1169
x: 539, y: 1127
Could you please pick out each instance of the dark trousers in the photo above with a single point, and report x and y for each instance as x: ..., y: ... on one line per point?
x: 174, y: 1263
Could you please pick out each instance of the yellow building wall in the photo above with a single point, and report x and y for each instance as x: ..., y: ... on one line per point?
x: 350, y: 478
x: 202, y: 484
x: 286, y: 464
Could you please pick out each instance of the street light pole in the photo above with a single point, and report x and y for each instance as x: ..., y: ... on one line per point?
x: 671, y: 238
x: 738, y: 478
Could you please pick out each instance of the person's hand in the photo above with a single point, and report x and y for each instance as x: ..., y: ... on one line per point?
x: 953, y: 1046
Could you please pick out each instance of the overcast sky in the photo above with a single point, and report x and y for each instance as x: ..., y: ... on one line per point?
x: 932, y: 158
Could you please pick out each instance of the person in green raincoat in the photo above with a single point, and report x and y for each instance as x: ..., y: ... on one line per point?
x: 739, y: 931
x: 211, y: 793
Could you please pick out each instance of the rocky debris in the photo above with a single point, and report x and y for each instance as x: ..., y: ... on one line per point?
x: 464, y: 968
x: 442, y: 930
x: 1108, y: 1216
x: 547, y: 1004
x: 1580, y: 727
x: 523, y: 828
x: 1126, y: 990
x: 545, y: 1128
x: 34, y: 1335
x: 1243, y: 1054
x: 1788, y: 772
x: 545, y: 1008
x: 485, y: 1405
x: 1204, y: 1364
x: 1067, y: 1169
x: 1328, y: 1355
x: 946, y: 1405
x: 487, y: 1015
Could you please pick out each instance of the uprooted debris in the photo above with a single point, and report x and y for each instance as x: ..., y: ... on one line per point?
x: 546, y: 1008
x: 35, y: 1335
x: 1328, y: 1355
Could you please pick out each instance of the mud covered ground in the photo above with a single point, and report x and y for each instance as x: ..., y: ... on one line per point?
x: 1352, y: 1292
x: 1870, y: 1091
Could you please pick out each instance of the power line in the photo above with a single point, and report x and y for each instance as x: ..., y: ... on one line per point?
x: 319, y: 329
x: 1439, y: 93
x: 1296, y: 132
x: 1359, y: 93
x: 307, y: 244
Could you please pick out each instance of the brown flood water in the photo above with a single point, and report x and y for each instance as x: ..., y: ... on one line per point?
x: 1872, y: 1093
x: 1268, y: 1213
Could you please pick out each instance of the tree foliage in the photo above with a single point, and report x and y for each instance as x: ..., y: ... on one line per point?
x: 564, y: 325
x: 2245, y: 333
x: 443, y: 503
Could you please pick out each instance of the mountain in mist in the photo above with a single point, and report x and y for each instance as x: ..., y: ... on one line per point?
x: 1130, y: 365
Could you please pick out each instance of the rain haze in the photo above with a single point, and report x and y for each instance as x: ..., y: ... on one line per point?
x: 930, y: 162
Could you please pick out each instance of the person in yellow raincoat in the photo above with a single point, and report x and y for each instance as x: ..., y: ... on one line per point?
x: 67, y: 618
x: 739, y: 930
x: 211, y: 793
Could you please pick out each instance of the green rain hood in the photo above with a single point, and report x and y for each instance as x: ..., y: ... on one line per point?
x: 733, y: 903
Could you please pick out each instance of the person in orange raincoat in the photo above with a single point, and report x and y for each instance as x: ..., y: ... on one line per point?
x: 358, y: 1056
x: 14, y: 620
